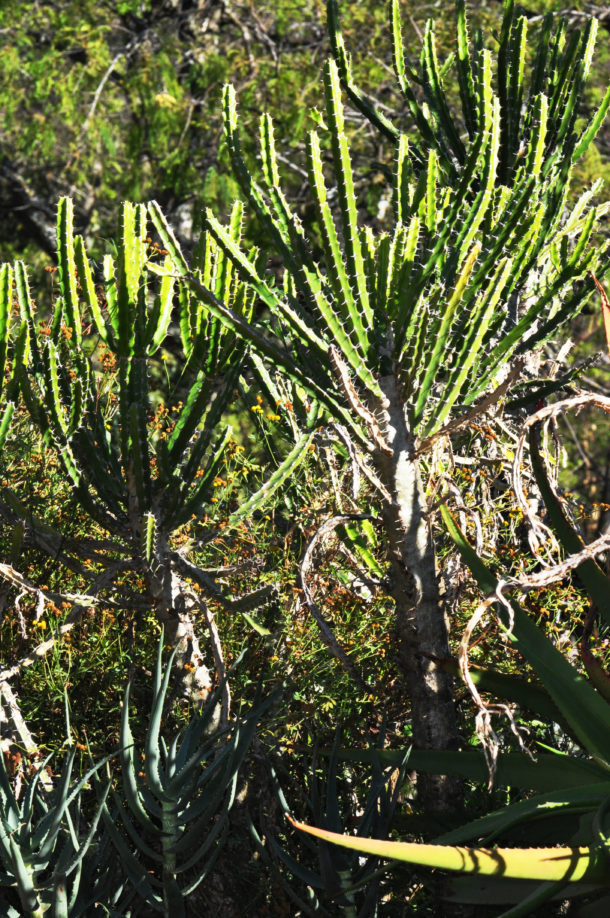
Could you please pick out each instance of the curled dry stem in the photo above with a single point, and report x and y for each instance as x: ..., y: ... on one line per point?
x: 538, y: 528
x: 483, y: 721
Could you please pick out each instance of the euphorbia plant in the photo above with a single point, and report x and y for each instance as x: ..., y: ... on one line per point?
x: 141, y: 463
x: 408, y: 335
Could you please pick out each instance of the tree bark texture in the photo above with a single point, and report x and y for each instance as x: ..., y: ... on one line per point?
x: 421, y: 623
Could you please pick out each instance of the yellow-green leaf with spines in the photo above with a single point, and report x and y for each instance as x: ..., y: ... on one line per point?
x: 470, y: 350
x: 345, y: 189
x: 89, y: 291
x: 6, y: 308
x: 569, y: 865
x: 346, y: 305
x: 443, y: 332
x: 67, y: 268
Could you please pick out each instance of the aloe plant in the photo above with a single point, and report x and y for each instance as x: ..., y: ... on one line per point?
x: 47, y: 850
x: 182, y: 799
x: 404, y: 336
x: 343, y: 885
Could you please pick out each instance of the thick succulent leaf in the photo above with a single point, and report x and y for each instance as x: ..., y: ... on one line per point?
x: 68, y: 280
x: 514, y: 769
x: 565, y: 864
x: 275, y: 481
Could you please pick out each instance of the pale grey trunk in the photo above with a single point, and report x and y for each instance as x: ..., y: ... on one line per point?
x: 176, y: 612
x: 421, y: 624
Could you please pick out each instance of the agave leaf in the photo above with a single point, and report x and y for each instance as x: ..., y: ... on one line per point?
x: 555, y: 805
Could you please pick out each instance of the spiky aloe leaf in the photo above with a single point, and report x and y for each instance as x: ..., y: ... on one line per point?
x: 345, y: 187
x: 568, y: 865
x: 249, y: 273
x: 465, y: 72
x: 337, y: 269
x: 161, y: 313
x: 191, y: 501
x: 110, y: 284
x: 89, y: 292
x: 168, y: 238
x: 6, y: 303
x: 548, y: 770
x: 130, y: 769
x: 14, y: 353
x: 443, y: 332
x: 592, y: 129
x: 131, y: 277
x: 367, y: 106
x: 437, y: 100
x: 280, y: 357
x: 148, y: 536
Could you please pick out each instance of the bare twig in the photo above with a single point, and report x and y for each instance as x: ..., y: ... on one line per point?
x: 342, y: 374
x: 225, y: 704
x: 559, y: 571
x: 81, y: 599
x: 347, y: 442
x: 537, y: 526
x: 9, y: 699
x: 483, y: 724
x: 98, y: 92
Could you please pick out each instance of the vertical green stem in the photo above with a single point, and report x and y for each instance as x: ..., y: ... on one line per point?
x: 173, y: 903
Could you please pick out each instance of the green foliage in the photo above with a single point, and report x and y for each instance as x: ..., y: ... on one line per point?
x: 587, y: 715
x: 480, y: 264
x: 139, y: 468
x: 349, y: 883
x: 185, y: 795
x: 57, y: 859
x: 44, y: 840
x: 343, y: 346
x: 120, y: 100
